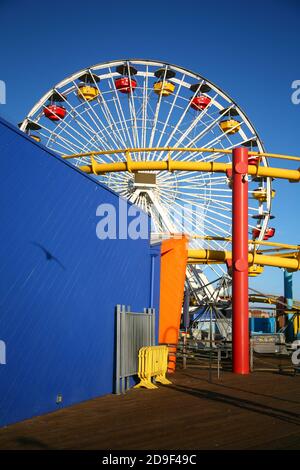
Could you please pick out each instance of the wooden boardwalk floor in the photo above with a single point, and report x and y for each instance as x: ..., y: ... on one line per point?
x: 260, y: 411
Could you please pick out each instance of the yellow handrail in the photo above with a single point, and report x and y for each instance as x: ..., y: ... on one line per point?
x: 180, y: 149
x: 203, y: 256
x: 177, y: 165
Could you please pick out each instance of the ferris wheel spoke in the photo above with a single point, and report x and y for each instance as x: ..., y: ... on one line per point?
x: 197, y: 180
x: 53, y: 134
x: 207, y: 187
x: 111, y: 136
x: 100, y: 136
x: 93, y: 115
x: 144, y: 112
x: 201, y: 187
x: 169, y: 115
x: 108, y: 133
x: 74, y: 111
x: 178, y: 124
x: 182, y: 209
x: 199, y: 227
x: 112, y: 125
x: 157, y: 112
x: 213, y: 202
x: 166, y: 176
x: 132, y: 109
x: 115, y: 118
x: 207, y: 207
x: 192, y: 176
x: 120, y: 111
x: 214, y: 230
x: 118, y: 182
x: 217, y: 269
x: 71, y: 131
x: 84, y: 125
x: 65, y: 143
x: 188, y: 222
x: 222, y: 136
x: 103, y: 106
x: 209, y: 219
x: 217, y: 156
x: 193, y: 124
x: 119, y: 185
x: 254, y: 209
x: 133, y: 118
x: 202, y: 134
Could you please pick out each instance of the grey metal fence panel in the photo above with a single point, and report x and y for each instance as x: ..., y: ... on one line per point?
x: 134, y: 330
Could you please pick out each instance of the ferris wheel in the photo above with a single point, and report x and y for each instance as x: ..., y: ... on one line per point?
x: 150, y: 104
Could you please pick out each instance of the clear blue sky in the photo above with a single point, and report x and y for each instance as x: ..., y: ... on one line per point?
x: 248, y: 48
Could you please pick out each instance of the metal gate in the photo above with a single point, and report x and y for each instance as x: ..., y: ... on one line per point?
x: 133, y: 331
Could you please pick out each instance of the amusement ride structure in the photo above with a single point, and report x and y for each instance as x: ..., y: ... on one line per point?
x: 178, y: 146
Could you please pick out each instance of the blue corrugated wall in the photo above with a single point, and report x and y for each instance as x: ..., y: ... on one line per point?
x: 59, y: 283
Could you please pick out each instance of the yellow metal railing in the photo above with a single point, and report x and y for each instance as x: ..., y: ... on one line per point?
x: 176, y: 165
x: 286, y: 260
x: 296, y: 323
x: 153, y: 363
x: 170, y: 150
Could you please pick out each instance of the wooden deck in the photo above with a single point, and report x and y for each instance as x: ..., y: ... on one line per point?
x: 260, y: 411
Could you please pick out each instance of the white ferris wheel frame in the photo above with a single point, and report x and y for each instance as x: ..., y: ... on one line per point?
x: 106, y: 71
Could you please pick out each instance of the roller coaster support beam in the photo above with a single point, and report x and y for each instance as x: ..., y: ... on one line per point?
x: 176, y: 165
x: 240, y: 306
x: 288, y: 295
x: 219, y: 257
x: 288, y: 288
x: 173, y: 165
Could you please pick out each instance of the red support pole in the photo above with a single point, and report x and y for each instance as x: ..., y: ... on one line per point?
x: 240, y: 305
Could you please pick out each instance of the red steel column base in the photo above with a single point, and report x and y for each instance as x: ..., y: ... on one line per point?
x: 240, y: 305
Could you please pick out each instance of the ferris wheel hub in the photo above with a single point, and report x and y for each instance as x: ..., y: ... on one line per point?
x: 146, y: 180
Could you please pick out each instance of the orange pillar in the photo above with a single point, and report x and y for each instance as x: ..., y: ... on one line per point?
x: 174, y: 255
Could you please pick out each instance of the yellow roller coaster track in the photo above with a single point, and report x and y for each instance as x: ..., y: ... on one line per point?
x: 175, y: 165
x: 180, y: 149
x: 288, y: 261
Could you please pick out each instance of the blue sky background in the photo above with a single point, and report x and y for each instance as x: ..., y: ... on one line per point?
x: 248, y: 48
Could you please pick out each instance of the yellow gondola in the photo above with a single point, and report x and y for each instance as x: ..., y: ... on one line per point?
x: 296, y: 322
x: 255, y: 270
x: 260, y: 194
x: 87, y: 92
x: 35, y: 137
x: 231, y: 126
x: 164, y: 88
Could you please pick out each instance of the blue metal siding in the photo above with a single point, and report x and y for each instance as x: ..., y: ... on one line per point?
x: 59, y: 283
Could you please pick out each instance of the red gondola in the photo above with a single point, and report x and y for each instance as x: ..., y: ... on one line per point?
x: 125, y: 84
x: 253, y: 161
x: 55, y: 112
x: 269, y: 233
x: 200, y: 102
